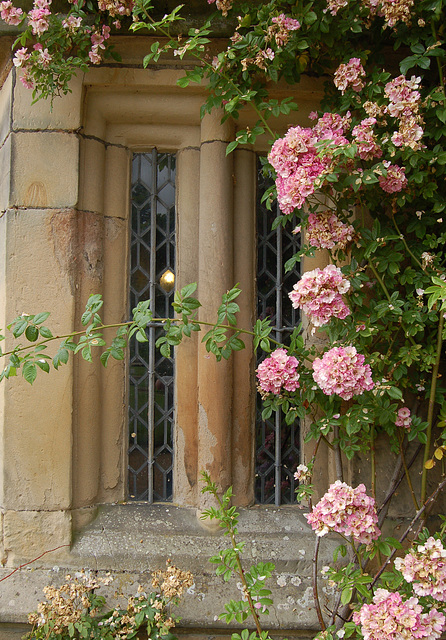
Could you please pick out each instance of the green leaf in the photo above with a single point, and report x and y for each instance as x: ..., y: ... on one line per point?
x: 104, y: 358
x: 45, y: 332
x: 141, y: 336
x: 310, y: 17
x: 183, y: 82
x: 40, y: 317
x: 29, y: 372
x: 394, y: 393
x: 188, y: 290
x: 31, y: 333
x: 43, y: 364
x: 441, y: 114
x: 231, y: 146
x: 19, y: 327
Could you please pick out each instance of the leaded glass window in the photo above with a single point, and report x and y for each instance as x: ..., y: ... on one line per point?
x: 152, y: 274
x: 277, y: 444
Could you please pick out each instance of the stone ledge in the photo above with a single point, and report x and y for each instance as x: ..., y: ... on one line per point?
x: 133, y: 540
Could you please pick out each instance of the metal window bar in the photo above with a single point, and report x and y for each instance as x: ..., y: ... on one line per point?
x: 151, y: 380
x: 277, y: 444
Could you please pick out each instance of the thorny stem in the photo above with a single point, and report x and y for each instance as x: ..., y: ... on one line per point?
x: 395, y: 482
x: 440, y: 68
x: 25, y: 564
x: 406, y: 471
x: 430, y: 411
x: 317, y: 604
x: 355, y: 551
x: 118, y: 325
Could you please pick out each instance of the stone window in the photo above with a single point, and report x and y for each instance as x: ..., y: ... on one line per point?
x: 152, y: 277
x: 277, y: 444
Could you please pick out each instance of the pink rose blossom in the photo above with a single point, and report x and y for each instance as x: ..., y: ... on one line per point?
x: 278, y: 372
x: 116, y: 7
x: 392, y: 618
x: 346, y: 510
x: 403, y: 418
x: 333, y: 6
x: 350, y: 75
x: 404, y: 101
x: 326, y: 231
x: 21, y: 57
x: 10, y: 14
x: 26, y: 80
x: 72, y: 23
x: 319, y: 294
x: 365, y: 138
x: 283, y: 25
x: 395, y: 180
x: 290, y: 24
x: 38, y: 16
x: 342, y: 371
x: 222, y: 5
x: 44, y: 58
x: 302, y: 473
x: 392, y: 11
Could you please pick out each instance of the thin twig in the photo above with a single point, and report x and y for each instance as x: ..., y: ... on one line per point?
x: 394, y: 484
x: 317, y: 604
x: 31, y: 561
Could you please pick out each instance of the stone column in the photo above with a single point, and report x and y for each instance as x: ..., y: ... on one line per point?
x: 244, y: 392
x: 215, y: 269
x: 186, y: 363
x: 115, y: 291
x: 87, y: 408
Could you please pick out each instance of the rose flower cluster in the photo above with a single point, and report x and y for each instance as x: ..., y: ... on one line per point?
x: 342, y: 371
x: 278, y: 372
x: 390, y: 617
x: 298, y: 160
x: 319, y: 294
x: 326, y: 231
x: 346, y: 510
x: 425, y: 568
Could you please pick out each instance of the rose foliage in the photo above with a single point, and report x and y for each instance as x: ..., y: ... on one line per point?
x: 365, y: 176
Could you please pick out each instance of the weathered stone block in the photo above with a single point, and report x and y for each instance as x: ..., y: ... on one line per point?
x: 64, y: 113
x: 27, y: 534
x: 44, y: 169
